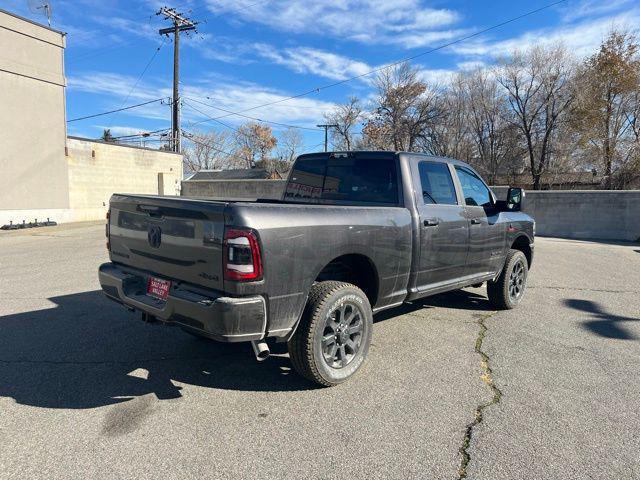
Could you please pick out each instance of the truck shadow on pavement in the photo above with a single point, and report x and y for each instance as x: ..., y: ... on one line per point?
x: 604, y: 323
x: 457, y: 300
x: 89, y: 352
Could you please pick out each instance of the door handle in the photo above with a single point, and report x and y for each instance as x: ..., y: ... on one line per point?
x: 431, y: 222
x: 475, y: 221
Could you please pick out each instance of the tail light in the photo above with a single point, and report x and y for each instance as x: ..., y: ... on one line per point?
x: 242, y: 260
x: 107, y: 233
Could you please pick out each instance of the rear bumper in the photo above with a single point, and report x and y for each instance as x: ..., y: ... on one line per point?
x: 226, y: 319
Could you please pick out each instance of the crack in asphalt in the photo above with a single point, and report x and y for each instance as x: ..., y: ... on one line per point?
x: 487, y: 378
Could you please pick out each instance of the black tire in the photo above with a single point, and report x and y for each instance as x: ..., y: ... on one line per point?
x: 503, y: 293
x: 335, y: 309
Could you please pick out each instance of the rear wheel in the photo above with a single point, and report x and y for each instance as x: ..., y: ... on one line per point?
x: 334, y: 334
x: 506, y: 292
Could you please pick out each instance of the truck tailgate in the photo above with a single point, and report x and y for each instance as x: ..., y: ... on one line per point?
x: 172, y: 237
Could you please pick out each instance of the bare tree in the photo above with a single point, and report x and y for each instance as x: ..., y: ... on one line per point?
x: 210, y: 150
x: 107, y: 136
x: 449, y: 136
x: 606, y: 112
x: 290, y: 145
x: 539, y: 84
x: 494, y: 135
x: 406, y: 108
x: 346, y: 117
x: 254, y: 143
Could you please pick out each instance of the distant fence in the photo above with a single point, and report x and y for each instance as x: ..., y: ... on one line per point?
x: 579, y: 214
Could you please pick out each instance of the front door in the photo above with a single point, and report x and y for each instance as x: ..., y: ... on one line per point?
x: 486, y: 233
x: 444, y: 227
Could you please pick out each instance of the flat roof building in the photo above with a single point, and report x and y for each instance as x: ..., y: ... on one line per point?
x: 44, y: 174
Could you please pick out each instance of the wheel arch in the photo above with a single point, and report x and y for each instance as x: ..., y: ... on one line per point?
x: 354, y: 268
x: 523, y: 244
x: 360, y: 271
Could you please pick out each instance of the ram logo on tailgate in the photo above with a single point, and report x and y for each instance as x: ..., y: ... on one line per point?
x: 154, y: 235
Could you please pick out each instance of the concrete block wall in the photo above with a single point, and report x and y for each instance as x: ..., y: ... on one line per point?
x: 583, y: 214
x: 233, y: 189
x: 97, y: 170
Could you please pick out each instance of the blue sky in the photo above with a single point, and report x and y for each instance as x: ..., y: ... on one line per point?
x: 248, y: 53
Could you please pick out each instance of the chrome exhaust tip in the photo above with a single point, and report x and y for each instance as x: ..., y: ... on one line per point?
x: 261, y: 350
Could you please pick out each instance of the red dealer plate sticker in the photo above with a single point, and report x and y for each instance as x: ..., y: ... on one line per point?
x: 158, y: 288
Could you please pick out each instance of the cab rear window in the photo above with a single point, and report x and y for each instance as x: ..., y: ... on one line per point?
x: 344, y: 181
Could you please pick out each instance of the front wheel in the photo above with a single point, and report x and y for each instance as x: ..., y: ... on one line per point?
x: 508, y: 289
x: 334, y: 334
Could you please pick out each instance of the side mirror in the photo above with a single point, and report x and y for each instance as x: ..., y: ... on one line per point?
x: 515, y: 196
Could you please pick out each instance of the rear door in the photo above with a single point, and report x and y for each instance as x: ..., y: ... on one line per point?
x: 444, y: 227
x: 179, y: 239
x: 486, y: 233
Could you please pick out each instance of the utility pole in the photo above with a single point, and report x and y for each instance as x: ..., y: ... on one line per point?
x: 326, y: 134
x: 180, y: 24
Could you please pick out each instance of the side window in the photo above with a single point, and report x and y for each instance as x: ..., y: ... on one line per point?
x: 475, y: 191
x: 437, y: 184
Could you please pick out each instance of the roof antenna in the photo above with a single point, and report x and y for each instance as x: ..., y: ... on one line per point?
x: 42, y: 7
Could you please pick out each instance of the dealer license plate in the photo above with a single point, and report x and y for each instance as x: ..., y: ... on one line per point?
x: 158, y: 288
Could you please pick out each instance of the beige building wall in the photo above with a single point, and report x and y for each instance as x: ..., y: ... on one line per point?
x: 97, y: 170
x: 40, y: 178
x: 32, y: 116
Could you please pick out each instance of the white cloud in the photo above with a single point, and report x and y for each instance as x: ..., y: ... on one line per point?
x: 470, y: 65
x: 593, y: 8
x: 413, y: 39
x: 120, y: 130
x: 438, y: 76
x: 236, y: 97
x: 132, y: 27
x: 402, y: 22
x: 581, y: 38
x: 314, y: 61
x: 222, y: 92
x: 111, y: 84
x: 118, y: 91
x: 222, y: 49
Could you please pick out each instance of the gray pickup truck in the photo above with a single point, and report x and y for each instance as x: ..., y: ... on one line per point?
x: 354, y: 233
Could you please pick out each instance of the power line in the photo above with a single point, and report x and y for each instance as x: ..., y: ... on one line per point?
x: 202, y: 113
x: 236, y: 10
x: 397, y: 62
x: 117, y: 110
x: 180, y: 23
x: 312, y: 148
x: 109, y: 48
x: 190, y: 137
x: 247, y: 116
x: 143, y: 134
x: 146, y: 67
x: 101, y: 50
x: 326, y: 128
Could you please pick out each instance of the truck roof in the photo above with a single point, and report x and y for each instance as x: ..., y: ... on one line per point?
x: 386, y: 153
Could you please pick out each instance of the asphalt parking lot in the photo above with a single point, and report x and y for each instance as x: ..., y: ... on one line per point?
x: 550, y: 390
